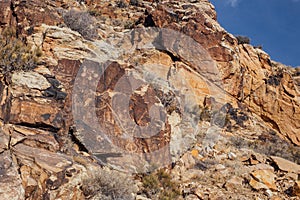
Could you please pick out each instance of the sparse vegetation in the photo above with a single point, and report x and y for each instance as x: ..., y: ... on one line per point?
x: 15, y: 54
x: 205, y: 114
x: 243, y: 39
x: 258, y: 47
x: 159, y: 185
x: 108, y: 185
x: 134, y: 2
x: 129, y: 25
x: 275, y: 79
x: 219, y: 118
x: 122, y: 4
x: 270, y: 144
x: 82, y: 22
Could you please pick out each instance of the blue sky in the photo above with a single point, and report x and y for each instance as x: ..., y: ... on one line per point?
x: 274, y: 24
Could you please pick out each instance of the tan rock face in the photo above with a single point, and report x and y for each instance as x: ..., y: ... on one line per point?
x: 278, y: 107
x: 247, y: 73
x: 30, y: 80
x: 234, y: 183
x: 35, y: 113
x: 263, y: 179
x: 286, y: 165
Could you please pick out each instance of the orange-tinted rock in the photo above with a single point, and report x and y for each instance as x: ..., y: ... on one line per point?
x: 296, y: 189
x: 278, y: 107
x: 27, y: 112
x: 263, y: 179
x: 36, y: 108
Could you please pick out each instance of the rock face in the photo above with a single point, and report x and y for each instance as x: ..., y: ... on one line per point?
x: 11, y: 184
x: 286, y: 165
x: 163, y: 85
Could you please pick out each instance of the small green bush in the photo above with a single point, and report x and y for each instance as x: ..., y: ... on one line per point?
x: 15, y: 55
x: 82, y: 22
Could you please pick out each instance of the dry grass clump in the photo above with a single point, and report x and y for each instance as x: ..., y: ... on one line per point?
x: 15, y: 54
x: 108, y: 185
x: 82, y: 22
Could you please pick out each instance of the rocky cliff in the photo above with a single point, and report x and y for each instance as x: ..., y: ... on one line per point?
x: 141, y: 100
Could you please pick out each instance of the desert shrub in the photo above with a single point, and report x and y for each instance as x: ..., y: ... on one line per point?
x: 275, y: 79
x: 270, y: 144
x: 82, y: 22
x: 121, y: 4
x: 94, y: 12
x: 243, y: 39
x: 297, y: 73
x: 205, y: 114
x: 258, y: 46
x: 221, y: 119
x: 108, y: 185
x: 15, y: 55
x: 159, y: 185
x: 129, y: 25
x: 134, y: 2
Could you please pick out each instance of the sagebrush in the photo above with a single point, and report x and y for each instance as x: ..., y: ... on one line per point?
x: 243, y: 39
x: 82, y: 22
x: 159, y: 185
x: 108, y: 185
x: 15, y: 54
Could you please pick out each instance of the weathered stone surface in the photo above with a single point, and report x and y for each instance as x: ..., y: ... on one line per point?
x: 42, y: 170
x: 191, y: 174
x: 29, y: 112
x: 10, y: 181
x: 4, y: 139
x: 34, y: 138
x: 246, y: 71
x: 286, y: 165
x: 278, y: 107
x: 261, y: 166
x: 296, y: 189
x: 5, y: 103
x: 234, y: 183
x: 31, y: 80
x: 263, y: 179
x: 6, y: 16
x: 146, y: 104
x: 47, y: 160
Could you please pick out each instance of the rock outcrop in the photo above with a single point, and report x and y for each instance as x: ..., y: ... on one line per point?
x: 161, y: 85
